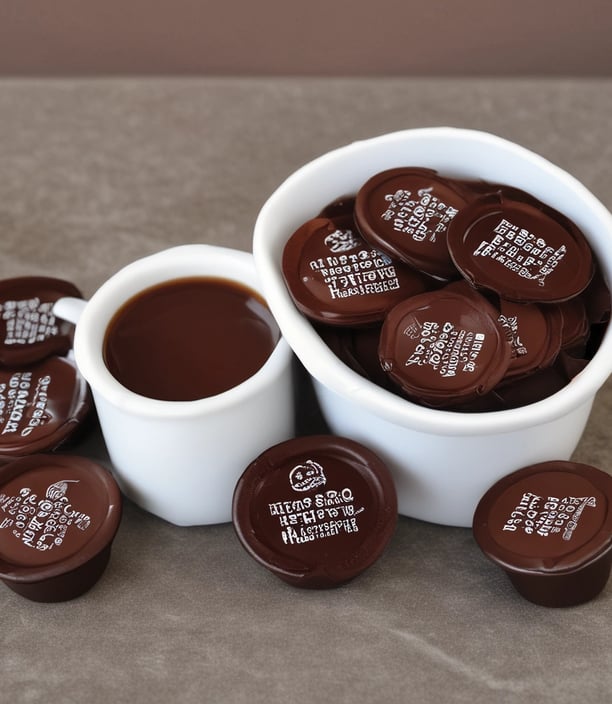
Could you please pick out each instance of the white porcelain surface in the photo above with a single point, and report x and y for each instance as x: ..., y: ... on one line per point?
x: 442, y: 461
x: 181, y: 459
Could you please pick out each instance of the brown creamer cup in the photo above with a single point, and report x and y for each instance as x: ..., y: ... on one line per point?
x: 549, y: 527
x: 58, y: 518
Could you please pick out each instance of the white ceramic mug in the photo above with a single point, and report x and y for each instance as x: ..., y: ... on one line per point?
x: 180, y: 460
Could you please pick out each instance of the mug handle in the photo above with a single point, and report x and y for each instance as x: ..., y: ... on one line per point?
x: 69, y: 308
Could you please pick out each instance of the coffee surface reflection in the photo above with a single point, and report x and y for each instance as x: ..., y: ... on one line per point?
x: 189, y: 338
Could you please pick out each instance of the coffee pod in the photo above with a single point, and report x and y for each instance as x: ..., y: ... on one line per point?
x: 519, y: 251
x: 42, y: 406
x: 549, y: 526
x: 503, y: 190
x: 335, y: 277
x: 535, y: 334
x: 58, y: 518
x: 597, y: 298
x: 358, y: 349
x: 316, y: 511
x: 444, y: 348
x: 534, y: 387
x: 515, y: 392
x: 339, y: 208
x: 29, y: 331
x: 576, y: 328
x: 406, y: 212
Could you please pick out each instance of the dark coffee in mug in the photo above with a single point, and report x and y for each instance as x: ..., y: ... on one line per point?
x: 189, y: 338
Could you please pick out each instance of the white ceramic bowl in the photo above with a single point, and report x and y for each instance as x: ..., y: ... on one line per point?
x: 442, y: 462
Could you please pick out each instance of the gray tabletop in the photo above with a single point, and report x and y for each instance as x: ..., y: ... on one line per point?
x: 97, y: 173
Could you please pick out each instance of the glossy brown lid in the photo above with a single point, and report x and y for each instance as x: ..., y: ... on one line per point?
x: 41, y: 406
x: 535, y: 334
x: 406, y: 213
x: 520, y: 251
x: 480, y: 188
x: 56, y: 513
x: 444, y: 347
x: 515, y: 392
x: 547, y: 519
x: 339, y: 207
x: 533, y: 331
x: 597, y: 298
x: 335, y: 277
x: 576, y: 327
x: 29, y: 331
x: 358, y: 349
x: 316, y: 511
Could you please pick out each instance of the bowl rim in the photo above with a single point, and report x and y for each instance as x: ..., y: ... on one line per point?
x: 324, y: 366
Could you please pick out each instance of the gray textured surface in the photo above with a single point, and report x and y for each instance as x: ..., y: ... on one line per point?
x: 94, y: 174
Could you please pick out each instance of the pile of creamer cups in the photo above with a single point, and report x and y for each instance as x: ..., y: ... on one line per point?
x: 422, y: 369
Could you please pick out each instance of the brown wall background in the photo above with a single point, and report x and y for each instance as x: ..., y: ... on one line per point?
x: 309, y: 37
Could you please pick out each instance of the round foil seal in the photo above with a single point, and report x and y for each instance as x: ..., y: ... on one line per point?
x: 549, y: 526
x: 443, y: 347
x: 576, y: 327
x: 41, y: 406
x: 519, y: 251
x: 406, y: 212
x: 531, y: 388
x: 316, y: 511
x: 535, y: 334
x: 58, y: 518
x: 358, y: 349
x: 29, y: 331
x: 335, y: 277
x: 597, y: 298
x: 339, y: 208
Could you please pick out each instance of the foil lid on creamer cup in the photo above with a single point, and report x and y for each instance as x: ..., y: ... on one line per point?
x: 444, y: 347
x: 576, y: 327
x: 58, y: 518
x: 315, y: 511
x: 535, y: 334
x: 358, y: 349
x: 597, y: 298
x: 406, y: 212
x: 338, y: 208
x: 335, y: 277
x: 549, y: 526
x: 520, y: 251
x: 29, y: 331
x: 41, y: 406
